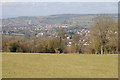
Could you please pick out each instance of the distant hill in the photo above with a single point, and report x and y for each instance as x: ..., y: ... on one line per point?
x: 74, y: 20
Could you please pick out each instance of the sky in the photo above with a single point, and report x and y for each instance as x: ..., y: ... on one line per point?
x: 15, y: 8
x: 59, y: 0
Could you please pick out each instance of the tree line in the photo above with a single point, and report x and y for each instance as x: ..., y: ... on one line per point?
x: 102, y: 39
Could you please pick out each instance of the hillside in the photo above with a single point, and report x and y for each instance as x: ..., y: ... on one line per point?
x: 74, y: 20
x: 79, y: 20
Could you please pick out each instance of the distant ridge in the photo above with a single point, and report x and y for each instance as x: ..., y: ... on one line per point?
x: 83, y: 20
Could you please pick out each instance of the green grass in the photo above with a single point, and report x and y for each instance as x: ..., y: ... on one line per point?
x: 18, y: 34
x: 22, y: 65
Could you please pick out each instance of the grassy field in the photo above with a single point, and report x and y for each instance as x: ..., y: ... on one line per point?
x: 22, y: 65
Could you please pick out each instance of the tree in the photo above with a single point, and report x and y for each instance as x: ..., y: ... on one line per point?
x: 112, y: 36
x: 40, y: 48
x: 5, y: 44
x: 61, y: 33
x: 99, y: 32
x: 24, y: 47
x: 70, y: 49
x: 78, y: 42
x: 56, y: 44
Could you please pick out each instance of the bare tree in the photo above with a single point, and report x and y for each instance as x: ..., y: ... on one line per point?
x: 99, y: 32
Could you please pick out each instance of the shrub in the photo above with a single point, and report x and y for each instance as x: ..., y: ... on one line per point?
x: 13, y: 46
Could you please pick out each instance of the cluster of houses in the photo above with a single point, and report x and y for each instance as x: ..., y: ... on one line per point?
x: 47, y: 30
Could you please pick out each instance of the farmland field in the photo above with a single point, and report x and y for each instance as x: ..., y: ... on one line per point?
x: 21, y: 65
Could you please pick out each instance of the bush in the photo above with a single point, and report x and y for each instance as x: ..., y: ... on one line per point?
x: 52, y: 50
x: 13, y: 46
x: 60, y: 50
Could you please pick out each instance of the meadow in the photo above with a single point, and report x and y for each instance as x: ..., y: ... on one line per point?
x: 38, y: 65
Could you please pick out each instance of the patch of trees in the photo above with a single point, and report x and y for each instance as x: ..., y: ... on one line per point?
x: 33, y: 45
x: 102, y: 39
x: 104, y: 35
